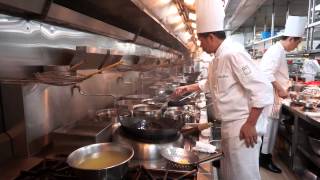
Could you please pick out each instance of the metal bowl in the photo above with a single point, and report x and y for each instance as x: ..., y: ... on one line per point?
x: 106, y: 115
x: 146, y: 110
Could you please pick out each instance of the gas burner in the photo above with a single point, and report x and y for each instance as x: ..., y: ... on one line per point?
x: 48, y: 169
x: 141, y: 173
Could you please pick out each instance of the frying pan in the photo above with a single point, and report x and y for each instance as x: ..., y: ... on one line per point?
x: 150, y: 128
x: 182, y: 158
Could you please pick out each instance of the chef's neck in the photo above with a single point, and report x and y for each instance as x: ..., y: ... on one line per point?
x: 217, y: 45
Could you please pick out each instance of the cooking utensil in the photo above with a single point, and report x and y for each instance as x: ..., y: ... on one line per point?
x: 152, y: 129
x: 181, y: 158
x: 110, y: 114
x: 65, y: 78
x: 82, y: 159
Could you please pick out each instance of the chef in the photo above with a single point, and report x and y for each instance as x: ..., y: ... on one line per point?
x: 239, y: 93
x: 274, y: 65
x: 310, y: 69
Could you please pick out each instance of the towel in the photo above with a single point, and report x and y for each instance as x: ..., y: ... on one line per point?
x: 204, y: 147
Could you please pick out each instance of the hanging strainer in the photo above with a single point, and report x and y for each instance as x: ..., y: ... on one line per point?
x: 65, y: 78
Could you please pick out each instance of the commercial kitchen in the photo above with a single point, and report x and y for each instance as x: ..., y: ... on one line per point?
x: 160, y: 89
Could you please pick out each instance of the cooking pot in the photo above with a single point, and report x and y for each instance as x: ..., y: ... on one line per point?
x: 107, y: 115
x: 104, y: 161
x: 174, y: 113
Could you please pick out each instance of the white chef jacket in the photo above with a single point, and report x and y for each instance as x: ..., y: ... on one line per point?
x: 310, y: 69
x: 235, y: 83
x: 274, y: 65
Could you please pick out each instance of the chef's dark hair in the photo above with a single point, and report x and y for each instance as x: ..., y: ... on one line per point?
x: 219, y: 34
x: 286, y: 37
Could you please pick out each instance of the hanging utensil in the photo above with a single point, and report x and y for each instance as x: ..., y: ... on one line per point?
x: 65, y: 78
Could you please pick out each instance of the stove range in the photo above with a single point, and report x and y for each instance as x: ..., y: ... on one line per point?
x: 57, y: 169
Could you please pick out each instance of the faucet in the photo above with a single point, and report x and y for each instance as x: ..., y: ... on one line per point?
x: 86, y: 94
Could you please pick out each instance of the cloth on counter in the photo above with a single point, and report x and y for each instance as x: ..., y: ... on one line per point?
x: 312, y: 114
x: 204, y: 147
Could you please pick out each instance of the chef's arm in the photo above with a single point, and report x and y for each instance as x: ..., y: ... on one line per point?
x: 283, y: 93
x: 186, y: 89
x: 248, y: 130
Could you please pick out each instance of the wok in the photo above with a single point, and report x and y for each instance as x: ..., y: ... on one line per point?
x: 150, y: 128
x: 182, y: 158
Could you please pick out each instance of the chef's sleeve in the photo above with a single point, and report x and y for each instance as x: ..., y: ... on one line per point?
x: 254, y: 81
x: 316, y: 65
x: 269, y: 65
x: 203, y: 85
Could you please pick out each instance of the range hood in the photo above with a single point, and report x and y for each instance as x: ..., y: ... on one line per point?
x: 238, y: 11
x: 121, y: 19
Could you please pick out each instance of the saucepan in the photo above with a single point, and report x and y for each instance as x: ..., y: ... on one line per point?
x: 102, y: 161
x: 184, y: 159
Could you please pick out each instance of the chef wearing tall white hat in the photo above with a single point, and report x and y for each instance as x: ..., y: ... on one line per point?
x: 239, y: 94
x: 274, y: 64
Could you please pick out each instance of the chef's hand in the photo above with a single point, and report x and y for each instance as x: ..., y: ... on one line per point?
x: 249, y: 134
x: 283, y: 93
x: 180, y: 91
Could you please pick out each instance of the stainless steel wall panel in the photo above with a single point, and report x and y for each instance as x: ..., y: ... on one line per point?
x: 34, y: 6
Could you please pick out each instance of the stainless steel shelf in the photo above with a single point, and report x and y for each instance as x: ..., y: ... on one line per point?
x: 309, y: 154
x: 313, y: 24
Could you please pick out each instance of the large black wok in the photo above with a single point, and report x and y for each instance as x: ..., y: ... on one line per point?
x: 150, y: 128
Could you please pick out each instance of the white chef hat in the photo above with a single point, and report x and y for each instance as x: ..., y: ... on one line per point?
x: 210, y: 16
x: 295, y: 26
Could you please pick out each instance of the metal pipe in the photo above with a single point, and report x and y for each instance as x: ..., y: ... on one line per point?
x: 272, y: 19
x: 312, y: 29
x: 308, y: 29
x: 254, y: 30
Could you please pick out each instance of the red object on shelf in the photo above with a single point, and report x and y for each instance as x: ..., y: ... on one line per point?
x: 315, y: 83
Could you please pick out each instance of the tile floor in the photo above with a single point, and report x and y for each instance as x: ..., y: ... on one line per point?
x: 285, y: 175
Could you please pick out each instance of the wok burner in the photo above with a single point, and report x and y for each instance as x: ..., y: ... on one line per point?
x: 57, y: 169
x: 141, y: 173
x: 146, y: 150
x: 48, y: 169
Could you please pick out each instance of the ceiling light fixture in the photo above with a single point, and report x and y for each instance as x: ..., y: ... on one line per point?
x: 192, y: 16
x: 189, y: 2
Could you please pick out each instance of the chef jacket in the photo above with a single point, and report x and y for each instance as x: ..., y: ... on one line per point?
x: 310, y: 68
x: 236, y: 84
x: 274, y: 65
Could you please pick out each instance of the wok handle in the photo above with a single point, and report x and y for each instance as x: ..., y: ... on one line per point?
x: 196, y: 129
x: 214, y: 157
x: 187, y: 174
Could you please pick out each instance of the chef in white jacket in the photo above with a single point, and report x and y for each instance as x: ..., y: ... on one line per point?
x: 310, y: 69
x: 239, y: 93
x: 274, y: 65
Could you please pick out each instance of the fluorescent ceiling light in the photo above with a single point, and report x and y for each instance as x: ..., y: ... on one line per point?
x: 198, y: 43
x: 193, y: 25
x: 189, y: 2
x: 180, y: 26
x: 192, y: 16
x: 171, y: 10
x: 174, y: 19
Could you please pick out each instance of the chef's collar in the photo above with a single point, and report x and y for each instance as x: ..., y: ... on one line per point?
x: 220, y: 48
x: 281, y: 46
